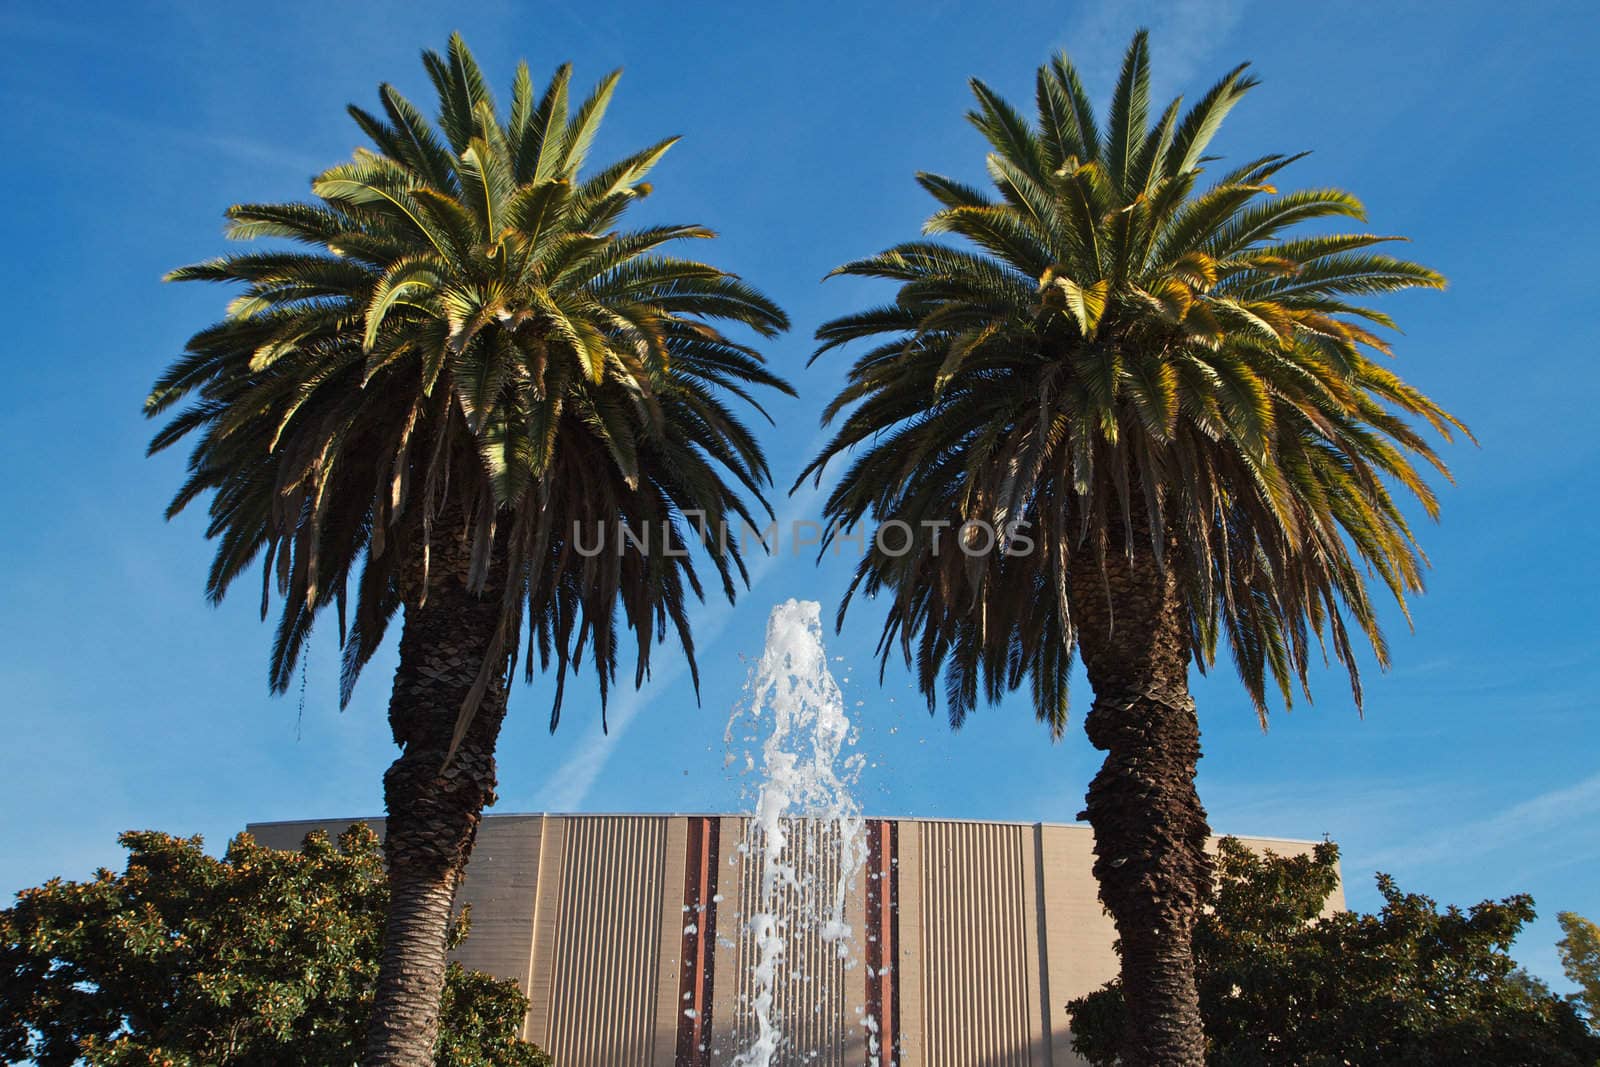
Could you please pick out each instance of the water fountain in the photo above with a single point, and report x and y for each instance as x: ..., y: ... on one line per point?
x: 805, y: 842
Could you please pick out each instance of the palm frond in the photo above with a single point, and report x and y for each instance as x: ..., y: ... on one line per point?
x: 472, y: 339
x: 1105, y: 338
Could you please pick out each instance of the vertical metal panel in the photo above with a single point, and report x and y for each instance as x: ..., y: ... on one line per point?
x: 910, y: 960
x: 1052, y: 1048
x: 545, y: 919
x: 608, y: 942
x: 694, y: 1006
x: 1078, y: 932
x: 730, y: 933
x: 855, y: 950
x: 670, y: 956
x: 979, y: 997
x: 505, y: 879
x: 1034, y: 948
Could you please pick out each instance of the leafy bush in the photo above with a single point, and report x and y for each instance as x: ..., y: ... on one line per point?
x: 264, y: 958
x: 1282, y: 984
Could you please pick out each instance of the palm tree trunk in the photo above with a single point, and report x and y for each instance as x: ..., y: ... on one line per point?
x: 1150, y: 830
x: 433, y: 815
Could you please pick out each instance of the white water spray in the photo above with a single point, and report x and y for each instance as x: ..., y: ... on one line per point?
x: 806, y: 788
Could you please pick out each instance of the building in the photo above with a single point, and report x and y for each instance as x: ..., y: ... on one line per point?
x: 627, y: 932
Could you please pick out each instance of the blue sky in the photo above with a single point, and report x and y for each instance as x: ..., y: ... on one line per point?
x: 129, y: 702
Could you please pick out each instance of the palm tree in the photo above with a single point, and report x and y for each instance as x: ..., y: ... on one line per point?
x: 1168, y: 409
x: 438, y: 406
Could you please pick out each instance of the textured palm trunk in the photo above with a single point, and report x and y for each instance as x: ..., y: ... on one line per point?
x: 1150, y: 830
x: 433, y: 815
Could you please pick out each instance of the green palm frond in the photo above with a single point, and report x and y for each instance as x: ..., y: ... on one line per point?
x: 468, y: 344
x: 1120, y: 335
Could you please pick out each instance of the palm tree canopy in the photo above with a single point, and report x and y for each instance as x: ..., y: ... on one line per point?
x: 467, y: 336
x: 1124, y: 332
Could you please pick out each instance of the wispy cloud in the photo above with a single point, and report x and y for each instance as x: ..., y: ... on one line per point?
x: 184, y: 138
x: 1553, y: 812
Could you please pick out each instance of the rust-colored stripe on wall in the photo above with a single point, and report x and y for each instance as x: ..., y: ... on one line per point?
x: 699, y: 943
x: 883, y: 941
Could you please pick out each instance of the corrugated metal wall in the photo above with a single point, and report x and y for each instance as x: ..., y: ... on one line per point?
x: 979, y: 951
x: 607, y: 953
x: 986, y: 931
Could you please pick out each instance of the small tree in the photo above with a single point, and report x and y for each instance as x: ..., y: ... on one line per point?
x: 1580, y: 958
x: 264, y: 958
x: 1282, y: 984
